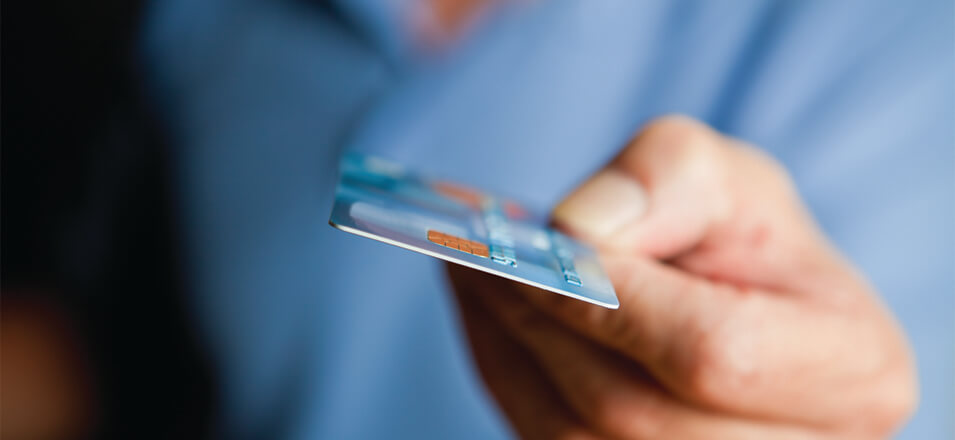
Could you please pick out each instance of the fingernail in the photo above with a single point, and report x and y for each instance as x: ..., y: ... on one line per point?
x: 602, y: 205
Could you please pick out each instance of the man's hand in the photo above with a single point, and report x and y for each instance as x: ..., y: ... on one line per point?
x: 737, y: 319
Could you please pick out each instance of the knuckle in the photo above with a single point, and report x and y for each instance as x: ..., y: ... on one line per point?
x: 673, y: 125
x: 688, y: 149
x: 681, y: 136
x: 759, y: 157
x: 671, y: 139
x: 723, y: 366
x: 767, y: 168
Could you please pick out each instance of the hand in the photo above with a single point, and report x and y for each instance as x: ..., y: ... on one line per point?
x: 737, y: 318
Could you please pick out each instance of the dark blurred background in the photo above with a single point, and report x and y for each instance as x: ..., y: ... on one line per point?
x: 94, y: 336
x: 167, y: 171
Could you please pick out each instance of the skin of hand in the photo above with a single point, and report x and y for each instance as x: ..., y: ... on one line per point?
x: 737, y: 318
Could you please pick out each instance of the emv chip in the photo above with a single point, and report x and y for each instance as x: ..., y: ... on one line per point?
x: 462, y: 244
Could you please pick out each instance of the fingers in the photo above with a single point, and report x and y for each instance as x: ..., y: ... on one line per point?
x: 516, y: 383
x: 755, y: 316
x: 663, y: 318
x: 743, y: 352
x: 608, y: 391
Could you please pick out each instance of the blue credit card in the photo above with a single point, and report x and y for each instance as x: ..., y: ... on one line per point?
x: 384, y: 201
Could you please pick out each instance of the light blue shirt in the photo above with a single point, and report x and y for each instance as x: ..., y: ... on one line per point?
x: 320, y: 334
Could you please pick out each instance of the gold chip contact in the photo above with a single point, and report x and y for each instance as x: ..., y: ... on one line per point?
x: 464, y: 245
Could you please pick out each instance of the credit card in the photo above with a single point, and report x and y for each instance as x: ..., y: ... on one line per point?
x: 384, y: 201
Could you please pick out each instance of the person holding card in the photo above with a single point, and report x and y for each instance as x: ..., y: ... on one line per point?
x: 737, y: 320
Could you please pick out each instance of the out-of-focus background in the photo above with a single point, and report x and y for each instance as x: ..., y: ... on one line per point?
x: 168, y: 167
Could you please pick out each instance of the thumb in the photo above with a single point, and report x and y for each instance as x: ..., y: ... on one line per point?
x: 658, y: 197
